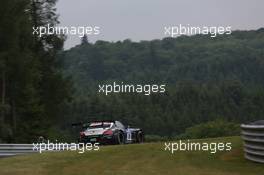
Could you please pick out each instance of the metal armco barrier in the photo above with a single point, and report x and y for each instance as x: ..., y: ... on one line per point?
x: 253, y: 136
x: 18, y: 149
x: 15, y: 149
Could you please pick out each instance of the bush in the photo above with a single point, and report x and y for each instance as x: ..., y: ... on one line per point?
x: 218, y: 128
x: 155, y: 138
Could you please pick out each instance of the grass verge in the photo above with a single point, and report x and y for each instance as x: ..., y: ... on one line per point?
x: 142, y: 159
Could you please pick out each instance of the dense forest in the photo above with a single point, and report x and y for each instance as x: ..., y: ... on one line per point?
x: 44, y: 89
x: 33, y: 90
x: 206, y: 79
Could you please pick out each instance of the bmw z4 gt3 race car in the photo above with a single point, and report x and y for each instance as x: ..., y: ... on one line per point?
x: 110, y: 132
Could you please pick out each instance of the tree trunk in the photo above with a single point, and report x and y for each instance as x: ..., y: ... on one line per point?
x: 14, y: 117
x: 3, y: 94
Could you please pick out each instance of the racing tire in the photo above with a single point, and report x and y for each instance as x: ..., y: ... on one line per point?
x: 120, y: 138
x: 140, y: 137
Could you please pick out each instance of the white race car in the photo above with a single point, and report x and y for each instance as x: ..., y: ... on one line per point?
x: 109, y: 132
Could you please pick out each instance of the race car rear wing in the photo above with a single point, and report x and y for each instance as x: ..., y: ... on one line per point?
x: 84, y: 124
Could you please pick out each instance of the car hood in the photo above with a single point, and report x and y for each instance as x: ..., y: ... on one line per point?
x: 97, y: 131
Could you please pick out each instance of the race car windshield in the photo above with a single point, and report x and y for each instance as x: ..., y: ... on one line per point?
x: 100, y: 125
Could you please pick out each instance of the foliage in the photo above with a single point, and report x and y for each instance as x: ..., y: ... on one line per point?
x: 33, y: 90
x: 218, y: 128
x: 206, y: 79
x: 155, y: 138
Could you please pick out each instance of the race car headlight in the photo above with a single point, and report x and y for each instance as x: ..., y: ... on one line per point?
x: 108, y: 132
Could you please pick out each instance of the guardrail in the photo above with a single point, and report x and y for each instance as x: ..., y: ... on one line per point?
x: 253, y: 136
x: 18, y: 149
x: 15, y: 149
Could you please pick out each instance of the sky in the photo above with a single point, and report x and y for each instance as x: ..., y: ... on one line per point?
x: 145, y: 19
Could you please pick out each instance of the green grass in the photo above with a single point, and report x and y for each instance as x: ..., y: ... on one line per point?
x: 143, y: 159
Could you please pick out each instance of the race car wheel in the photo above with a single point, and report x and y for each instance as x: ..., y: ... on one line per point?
x: 120, y: 138
x: 140, y: 137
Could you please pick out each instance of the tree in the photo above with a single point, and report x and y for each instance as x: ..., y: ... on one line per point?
x: 54, y: 89
x: 84, y: 40
x: 205, y: 80
x: 32, y: 88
